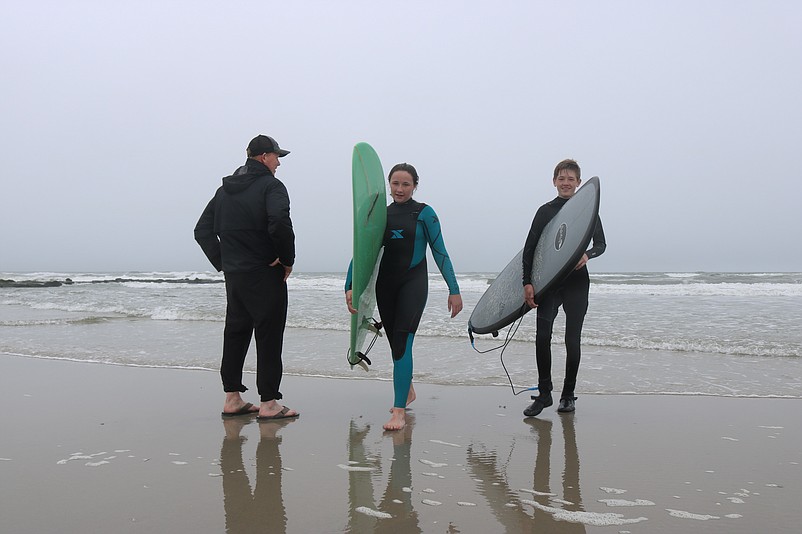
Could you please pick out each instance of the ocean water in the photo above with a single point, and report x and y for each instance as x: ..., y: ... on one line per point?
x: 728, y: 334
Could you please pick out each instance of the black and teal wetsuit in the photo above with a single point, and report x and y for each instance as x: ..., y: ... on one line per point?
x: 402, y: 284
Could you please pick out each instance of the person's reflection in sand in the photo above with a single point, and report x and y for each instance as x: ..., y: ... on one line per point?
x: 571, y: 489
x: 487, y: 467
x: 262, y: 510
x: 397, y: 498
x: 571, y: 499
x: 360, y: 483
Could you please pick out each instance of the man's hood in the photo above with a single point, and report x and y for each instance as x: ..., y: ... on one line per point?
x: 245, y: 176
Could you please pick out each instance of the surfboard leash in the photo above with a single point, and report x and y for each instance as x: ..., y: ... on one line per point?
x: 508, y: 338
x: 375, y: 326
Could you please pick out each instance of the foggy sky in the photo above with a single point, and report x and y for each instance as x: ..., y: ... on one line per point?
x: 119, y: 120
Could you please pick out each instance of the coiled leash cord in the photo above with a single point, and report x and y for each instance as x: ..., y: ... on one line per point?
x: 510, y: 335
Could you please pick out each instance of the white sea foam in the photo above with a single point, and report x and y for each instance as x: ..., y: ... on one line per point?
x: 587, y: 518
x: 355, y: 468
x: 445, y: 443
x: 372, y: 513
x: 431, y: 463
x: 622, y: 502
x: 688, y: 515
x: 539, y: 493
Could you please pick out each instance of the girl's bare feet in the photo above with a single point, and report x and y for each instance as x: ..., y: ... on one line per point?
x: 397, y: 421
x: 410, y: 397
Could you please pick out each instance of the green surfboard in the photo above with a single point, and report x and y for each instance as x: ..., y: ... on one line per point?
x: 370, y: 218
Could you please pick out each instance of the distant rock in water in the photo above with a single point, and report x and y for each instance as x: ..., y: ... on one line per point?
x: 33, y: 283
x: 157, y: 281
x: 69, y: 281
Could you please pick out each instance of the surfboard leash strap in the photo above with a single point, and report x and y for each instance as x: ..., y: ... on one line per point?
x: 510, y: 334
x: 508, y: 338
x: 377, y: 326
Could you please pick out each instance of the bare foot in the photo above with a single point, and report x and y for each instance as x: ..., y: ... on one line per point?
x: 271, y: 408
x: 405, y: 436
x: 410, y: 396
x: 234, y: 404
x: 397, y: 421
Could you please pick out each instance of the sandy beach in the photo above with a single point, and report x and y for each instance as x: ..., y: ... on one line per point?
x: 105, y: 448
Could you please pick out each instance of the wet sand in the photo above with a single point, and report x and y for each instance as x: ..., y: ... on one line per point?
x: 103, y: 448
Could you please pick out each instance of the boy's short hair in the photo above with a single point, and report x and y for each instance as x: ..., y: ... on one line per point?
x: 569, y: 165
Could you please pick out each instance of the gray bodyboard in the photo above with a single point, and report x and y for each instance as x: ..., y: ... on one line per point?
x: 562, y: 243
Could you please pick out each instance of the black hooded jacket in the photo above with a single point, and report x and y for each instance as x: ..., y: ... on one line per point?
x: 247, y: 225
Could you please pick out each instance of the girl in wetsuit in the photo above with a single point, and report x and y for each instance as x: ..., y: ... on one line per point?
x: 402, y: 283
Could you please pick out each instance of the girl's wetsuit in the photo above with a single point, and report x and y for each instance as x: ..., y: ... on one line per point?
x: 571, y: 293
x: 402, y: 284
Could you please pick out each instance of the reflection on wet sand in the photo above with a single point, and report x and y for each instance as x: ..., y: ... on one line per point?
x: 394, y: 512
x: 490, y: 470
x: 262, y: 509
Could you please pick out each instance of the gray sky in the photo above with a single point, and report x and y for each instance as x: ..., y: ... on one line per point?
x: 120, y: 118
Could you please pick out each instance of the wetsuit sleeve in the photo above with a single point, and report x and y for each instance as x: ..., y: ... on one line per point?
x: 349, y: 278
x: 434, y: 235
x: 542, y: 218
x: 207, y: 239
x: 279, y: 224
x: 599, y: 242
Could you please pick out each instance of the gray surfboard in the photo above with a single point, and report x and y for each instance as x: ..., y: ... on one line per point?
x: 562, y: 243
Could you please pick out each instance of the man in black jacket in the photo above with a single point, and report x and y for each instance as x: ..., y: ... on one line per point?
x: 246, y: 232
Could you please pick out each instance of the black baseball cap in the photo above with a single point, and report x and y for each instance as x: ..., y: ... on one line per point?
x: 262, y: 144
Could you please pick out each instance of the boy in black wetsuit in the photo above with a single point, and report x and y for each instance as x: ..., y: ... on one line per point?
x: 571, y: 294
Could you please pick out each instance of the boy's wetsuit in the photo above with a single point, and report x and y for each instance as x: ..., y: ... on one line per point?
x: 571, y: 293
x: 402, y: 285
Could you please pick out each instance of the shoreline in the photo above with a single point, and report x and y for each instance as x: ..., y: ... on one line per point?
x: 604, y: 372
x: 139, y: 449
